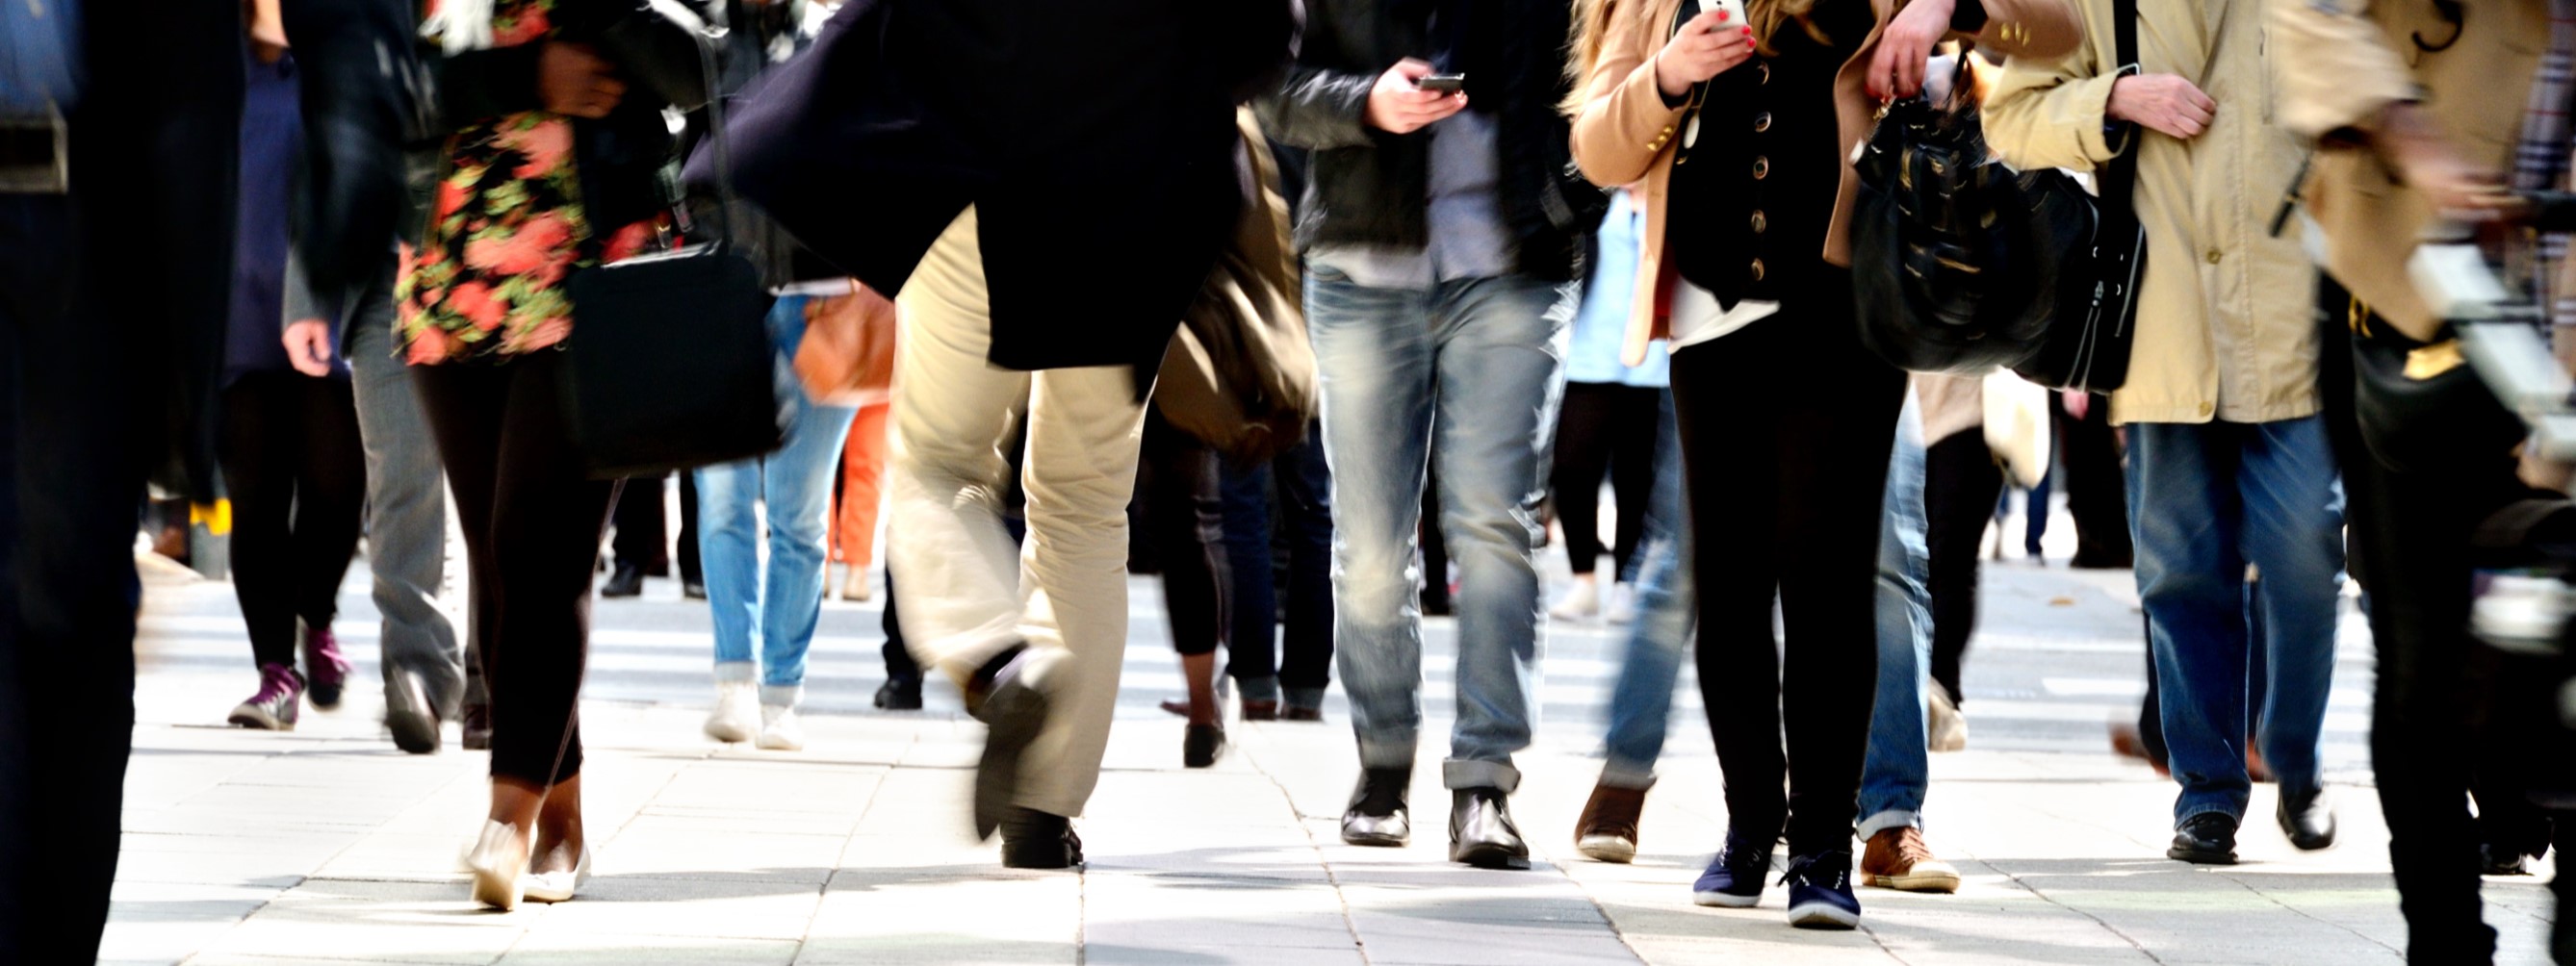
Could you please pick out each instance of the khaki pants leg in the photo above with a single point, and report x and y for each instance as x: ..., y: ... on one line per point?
x: 967, y: 593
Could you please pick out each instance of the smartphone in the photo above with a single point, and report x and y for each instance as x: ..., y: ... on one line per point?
x: 1733, y: 8
x: 1442, y: 83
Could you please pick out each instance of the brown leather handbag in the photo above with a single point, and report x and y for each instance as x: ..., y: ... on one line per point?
x: 847, y: 357
x: 1240, y: 375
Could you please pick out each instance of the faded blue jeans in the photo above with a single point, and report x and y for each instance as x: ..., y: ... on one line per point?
x: 2204, y: 501
x: 1641, y: 701
x: 1487, y: 357
x: 1896, y: 773
x: 776, y: 608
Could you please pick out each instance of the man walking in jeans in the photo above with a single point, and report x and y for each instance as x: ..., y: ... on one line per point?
x: 1442, y: 230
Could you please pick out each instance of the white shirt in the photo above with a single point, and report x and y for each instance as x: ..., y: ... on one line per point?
x: 1698, y: 318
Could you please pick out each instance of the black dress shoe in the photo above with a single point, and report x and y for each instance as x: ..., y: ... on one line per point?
x: 2208, y: 838
x: 900, y: 694
x: 1000, y: 696
x: 627, y: 581
x: 1378, y: 814
x: 2307, y: 819
x: 410, y: 715
x: 1481, y: 832
x: 1200, y: 748
x: 1032, y: 839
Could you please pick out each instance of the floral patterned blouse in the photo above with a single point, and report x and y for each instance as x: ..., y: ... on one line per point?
x: 505, y: 229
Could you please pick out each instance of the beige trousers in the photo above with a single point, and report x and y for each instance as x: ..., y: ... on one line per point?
x: 967, y: 592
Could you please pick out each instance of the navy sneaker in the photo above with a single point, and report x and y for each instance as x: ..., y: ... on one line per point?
x: 1734, y: 878
x: 1820, y: 892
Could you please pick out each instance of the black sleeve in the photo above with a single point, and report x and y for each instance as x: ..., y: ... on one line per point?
x: 479, y: 85
x: 1968, y: 17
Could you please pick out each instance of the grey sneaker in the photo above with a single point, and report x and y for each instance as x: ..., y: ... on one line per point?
x: 281, y: 694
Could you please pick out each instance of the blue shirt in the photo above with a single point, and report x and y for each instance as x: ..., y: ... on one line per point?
x: 1601, y: 326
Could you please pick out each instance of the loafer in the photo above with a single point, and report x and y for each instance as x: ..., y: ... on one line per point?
x: 2208, y: 838
x: 1820, y: 892
x: 1032, y: 839
x: 2307, y: 819
x: 1607, y: 829
x: 1378, y: 814
x: 1734, y: 879
x: 1481, y: 832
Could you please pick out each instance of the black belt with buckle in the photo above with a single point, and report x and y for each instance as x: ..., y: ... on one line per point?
x: 33, y: 156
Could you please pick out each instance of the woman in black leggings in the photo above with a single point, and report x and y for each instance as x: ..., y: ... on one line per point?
x: 1176, y: 490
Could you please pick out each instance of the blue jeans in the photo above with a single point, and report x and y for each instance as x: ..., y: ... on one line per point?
x: 778, y: 609
x: 1302, y: 663
x: 1894, y: 776
x: 1488, y: 355
x: 2205, y: 500
x: 1641, y: 701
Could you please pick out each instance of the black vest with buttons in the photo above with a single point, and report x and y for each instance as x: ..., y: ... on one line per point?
x: 1751, y: 197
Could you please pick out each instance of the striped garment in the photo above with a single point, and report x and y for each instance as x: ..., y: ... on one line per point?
x: 2540, y: 160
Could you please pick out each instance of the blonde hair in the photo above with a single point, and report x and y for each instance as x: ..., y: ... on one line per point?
x: 1592, y: 21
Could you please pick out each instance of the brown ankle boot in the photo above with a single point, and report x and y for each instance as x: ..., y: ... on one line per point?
x: 1608, y: 829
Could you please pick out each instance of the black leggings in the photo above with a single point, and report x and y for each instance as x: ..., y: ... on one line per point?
x: 1604, y: 428
x: 1176, y: 489
x: 1961, y: 484
x: 1786, y: 476
x: 533, y: 518
x: 297, y: 480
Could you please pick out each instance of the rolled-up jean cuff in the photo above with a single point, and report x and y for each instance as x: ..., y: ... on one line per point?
x: 782, y: 695
x: 736, y: 672
x: 1620, y: 774
x: 1892, y: 818
x: 1460, y: 773
x: 1390, y: 751
x: 1263, y: 688
x: 1305, y: 698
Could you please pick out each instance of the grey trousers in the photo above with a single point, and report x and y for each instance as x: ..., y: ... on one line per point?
x: 407, y: 538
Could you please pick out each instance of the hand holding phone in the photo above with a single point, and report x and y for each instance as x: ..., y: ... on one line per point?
x: 1400, y: 104
x: 1442, y: 83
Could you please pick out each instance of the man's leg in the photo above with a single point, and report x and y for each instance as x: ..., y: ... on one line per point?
x: 729, y: 538
x: 1896, y: 773
x: 796, y: 484
x: 1641, y: 700
x: 1252, y: 639
x: 407, y: 514
x: 863, y: 458
x: 2184, y: 505
x: 1501, y: 369
x: 1306, y: 642
x: 2294, y: 534
x: 2089, y: 450
x: 643, y: 540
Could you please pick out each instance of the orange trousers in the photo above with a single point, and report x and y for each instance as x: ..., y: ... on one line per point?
x: 854, y: 508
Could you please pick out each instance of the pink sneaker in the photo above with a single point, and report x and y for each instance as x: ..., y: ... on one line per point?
x: 281, y: 692
x: 324, y: 669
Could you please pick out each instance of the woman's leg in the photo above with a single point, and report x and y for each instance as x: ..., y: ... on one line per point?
x: 330, y: 497
x: 1632, y: 471
x: 260, y: 449
x: 796, y: 483
x: 1585, y: 429
x: 1177, y: 491
x: 1961, y: 486
x: 863, y: 460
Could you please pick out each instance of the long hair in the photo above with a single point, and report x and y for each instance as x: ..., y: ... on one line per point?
x: 1592, y: 24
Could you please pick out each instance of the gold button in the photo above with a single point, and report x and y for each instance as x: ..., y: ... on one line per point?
x: 2205, y: 408
x: 1668, y: 129
x: 1766, y: 72
x: 1761, y: 122
x: 2213, y: 256
x: 1760, y: 223
x: 1757, y: 270
x: 1761, y: 168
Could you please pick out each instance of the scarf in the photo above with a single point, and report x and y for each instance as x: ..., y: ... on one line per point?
x: 2540, y: 158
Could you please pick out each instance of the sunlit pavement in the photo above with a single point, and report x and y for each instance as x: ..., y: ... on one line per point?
x: 326, y: 844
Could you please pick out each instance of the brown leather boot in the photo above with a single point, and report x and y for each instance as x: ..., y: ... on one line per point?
x: 1608, y: 829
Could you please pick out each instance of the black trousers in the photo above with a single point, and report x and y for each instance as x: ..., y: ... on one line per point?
x: 2097, y: 495
x: 643, y: 532
x: 1961, y: 483
x: 2411, y: 534
x: 297, y: 479
x: 1786, y: 477
x: 1176, y: 493
x: 1604, y: 428
x: 533, y: 518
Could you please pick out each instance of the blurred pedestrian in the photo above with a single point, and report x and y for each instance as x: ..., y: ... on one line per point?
x: 1607, y: 425
x: 1183, y: 518
x: 1895, y: 774
x: 2230, y: 462
x: 1962, y: 486
x: 641, y: 546
x: 860, y: 494
x: 1650, y: 661
x: 1279, y: 650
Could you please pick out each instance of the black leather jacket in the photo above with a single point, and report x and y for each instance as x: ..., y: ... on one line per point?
x: 1367, y: 186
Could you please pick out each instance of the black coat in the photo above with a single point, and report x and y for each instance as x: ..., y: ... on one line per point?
x: 1095, y: 141
x: 1367, y: 186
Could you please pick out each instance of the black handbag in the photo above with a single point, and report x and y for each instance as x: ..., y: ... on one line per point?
x: 2088, y: 342
x: 669, y: 365
x: 657, y: 45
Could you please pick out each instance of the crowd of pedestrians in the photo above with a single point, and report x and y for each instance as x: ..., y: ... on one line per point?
x: 1474, y: 262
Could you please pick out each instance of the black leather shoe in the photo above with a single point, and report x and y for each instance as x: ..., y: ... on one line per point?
x: 1200, y: 748
x: 1378, y: 814
x: 1481, y: 832
x: 900, y: 694
x: 2208, y: 838
x: 626, y: 581
x: 999, y: 695
x: 1032, y: 839
x: 2307, y: 819
x: 410, y: 715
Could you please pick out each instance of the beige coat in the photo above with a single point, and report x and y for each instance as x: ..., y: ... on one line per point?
x: 2340, y: 62
x: 1624, y: 132
x: 2224, y: 315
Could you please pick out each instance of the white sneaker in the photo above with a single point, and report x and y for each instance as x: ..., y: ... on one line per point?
x: 1623, y: 604
x: 779, y: 730
x: 1949, y: 727
x: 1582, y: 602
x: 735, y: 718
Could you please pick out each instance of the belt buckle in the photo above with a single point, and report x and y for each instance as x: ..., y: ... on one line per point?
x: 34, y: 155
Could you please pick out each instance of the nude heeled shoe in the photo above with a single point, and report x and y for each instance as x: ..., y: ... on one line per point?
x: 559, y: 886
x: 500, y: 866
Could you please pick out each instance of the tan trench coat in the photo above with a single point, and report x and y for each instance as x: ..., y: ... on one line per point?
x: 2225, y: 329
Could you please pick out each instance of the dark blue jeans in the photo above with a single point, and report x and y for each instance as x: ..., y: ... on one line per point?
x: 1301, y: 664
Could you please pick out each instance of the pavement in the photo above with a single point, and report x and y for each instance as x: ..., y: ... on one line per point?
x: 325, y: 845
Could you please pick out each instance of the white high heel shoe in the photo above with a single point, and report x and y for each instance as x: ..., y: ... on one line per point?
x: 500, y: 866
x: 560, y: 886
